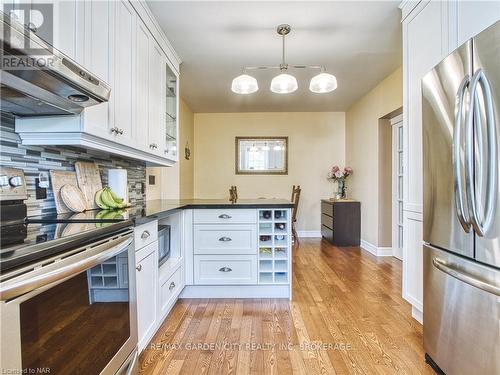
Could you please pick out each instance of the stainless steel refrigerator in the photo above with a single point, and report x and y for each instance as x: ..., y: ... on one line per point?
x: 461, y: 138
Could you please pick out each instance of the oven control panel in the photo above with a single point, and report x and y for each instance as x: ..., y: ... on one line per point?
x: 12, y: 184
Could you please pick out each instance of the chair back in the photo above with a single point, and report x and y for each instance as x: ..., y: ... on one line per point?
x: 295, y: 200
x: 233, y: 193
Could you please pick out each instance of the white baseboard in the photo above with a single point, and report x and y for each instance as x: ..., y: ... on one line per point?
x: 309, y: 233
x: 236, y: 291
x: 375, y: 250
x: 417, y: 315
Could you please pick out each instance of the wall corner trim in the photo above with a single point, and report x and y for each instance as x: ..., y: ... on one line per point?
x: 375, y: 250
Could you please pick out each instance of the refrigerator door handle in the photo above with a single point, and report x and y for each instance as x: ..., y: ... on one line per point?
x: 464, y: 277
x: 463, y: 217
x: 481, y: 225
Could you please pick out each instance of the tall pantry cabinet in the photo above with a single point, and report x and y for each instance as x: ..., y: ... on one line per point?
x: 431, y: 31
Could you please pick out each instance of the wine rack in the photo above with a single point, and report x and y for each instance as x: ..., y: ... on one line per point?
x: 274, y: 246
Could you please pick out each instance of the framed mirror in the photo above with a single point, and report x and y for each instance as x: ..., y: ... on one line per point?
x: 261, y: 155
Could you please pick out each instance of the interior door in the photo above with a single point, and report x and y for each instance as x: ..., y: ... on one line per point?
x: 397, y: 187
x: 444, y: 186
x: 486, y: 57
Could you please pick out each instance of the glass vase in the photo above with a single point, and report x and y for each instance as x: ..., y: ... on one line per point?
x: 341, y: 189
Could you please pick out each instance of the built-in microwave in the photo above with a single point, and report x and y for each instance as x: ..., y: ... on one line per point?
x: 163, y: 244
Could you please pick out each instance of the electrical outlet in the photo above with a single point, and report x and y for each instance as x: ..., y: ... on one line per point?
x: 40, y: 191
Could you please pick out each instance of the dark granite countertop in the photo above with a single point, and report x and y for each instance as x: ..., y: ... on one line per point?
x: 158, y: 208
x: 47, y: 231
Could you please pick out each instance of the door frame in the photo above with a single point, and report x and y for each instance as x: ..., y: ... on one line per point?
x: 397, y: 197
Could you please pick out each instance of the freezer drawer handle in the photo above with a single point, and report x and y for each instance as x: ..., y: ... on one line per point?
x: 468, y: 279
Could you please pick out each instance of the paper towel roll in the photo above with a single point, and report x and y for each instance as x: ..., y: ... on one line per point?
x: 117, y: 181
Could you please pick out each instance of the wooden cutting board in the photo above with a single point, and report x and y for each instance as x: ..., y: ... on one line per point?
x: 73, y: 198
x: 89, y: 181
x: 59, y: 179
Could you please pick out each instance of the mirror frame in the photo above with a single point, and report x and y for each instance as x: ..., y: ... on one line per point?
x: 259, y: 172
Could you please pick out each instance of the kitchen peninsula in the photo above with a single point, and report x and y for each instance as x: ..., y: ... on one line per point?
x: 217, y: 249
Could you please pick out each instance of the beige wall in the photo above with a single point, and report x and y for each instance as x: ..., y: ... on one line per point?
x: 316, y: 141
x: 186, y: 166
x: 177, y: 181
x: 362, y: 148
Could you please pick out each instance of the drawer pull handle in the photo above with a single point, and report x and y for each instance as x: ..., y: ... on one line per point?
x: 139, y: 267
x: 224, y: 216
x: 172, y: 286
x: 145, y: 234
x: 225, y: 269
x: 225, y: 239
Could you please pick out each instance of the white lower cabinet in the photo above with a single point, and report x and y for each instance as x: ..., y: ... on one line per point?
x: 169, y: 291
x: 225, y: 269
x: 147, y: 291
x: 225, y: 239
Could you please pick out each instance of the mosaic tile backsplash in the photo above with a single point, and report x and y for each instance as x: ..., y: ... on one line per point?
x: 36, y: 159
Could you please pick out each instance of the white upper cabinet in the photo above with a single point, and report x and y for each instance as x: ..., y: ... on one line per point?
x: 98, y: 18
x: 143, y: 45
x: 123, y: 84
x: 121, y: 43
x: 171, y: 113
x: 156, y: 99
x: 425, y: 45
x: 473, y: 17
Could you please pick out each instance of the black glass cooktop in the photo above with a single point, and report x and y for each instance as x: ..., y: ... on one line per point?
x: 41, y: 236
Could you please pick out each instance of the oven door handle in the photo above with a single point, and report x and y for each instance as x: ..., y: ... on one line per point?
x: 63, y: 269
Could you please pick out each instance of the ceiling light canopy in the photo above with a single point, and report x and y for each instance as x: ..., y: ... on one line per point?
x: 284, y: 83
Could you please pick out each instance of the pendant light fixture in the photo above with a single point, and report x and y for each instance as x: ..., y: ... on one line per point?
x: 284, y: 83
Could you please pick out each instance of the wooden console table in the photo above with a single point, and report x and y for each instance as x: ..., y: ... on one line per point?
x: 341, y: 222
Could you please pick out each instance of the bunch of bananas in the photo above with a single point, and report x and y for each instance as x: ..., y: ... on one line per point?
x: 106, y: 199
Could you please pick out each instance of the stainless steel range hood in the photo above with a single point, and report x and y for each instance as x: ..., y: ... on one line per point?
x: 40, y: 80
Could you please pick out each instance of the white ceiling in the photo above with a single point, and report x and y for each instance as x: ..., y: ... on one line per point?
x: 358, y: 42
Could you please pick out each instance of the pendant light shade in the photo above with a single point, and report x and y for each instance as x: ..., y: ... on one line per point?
x: 322, y: 83
x: 244, y: 84
x: 284, y: 84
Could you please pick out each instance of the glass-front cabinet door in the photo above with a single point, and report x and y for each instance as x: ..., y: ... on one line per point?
x: 171, y: 113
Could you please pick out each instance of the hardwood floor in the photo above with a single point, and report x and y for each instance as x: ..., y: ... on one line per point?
x: 347, y: 316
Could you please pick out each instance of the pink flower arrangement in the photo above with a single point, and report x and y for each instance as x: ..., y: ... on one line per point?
x: 336, y: 173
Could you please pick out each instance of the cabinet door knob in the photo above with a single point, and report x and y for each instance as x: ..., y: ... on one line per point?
x: 171, y: 286
x: 225, y: 239
x: 145, y: 234
x: 115, y: 130
x: 139, y: 267
x: 120, y: 131
x: 225, y: 269
x: 224, y: 216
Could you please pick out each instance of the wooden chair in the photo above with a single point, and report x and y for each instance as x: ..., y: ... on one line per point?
x: 295, y: 200
x: 233, y: 193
